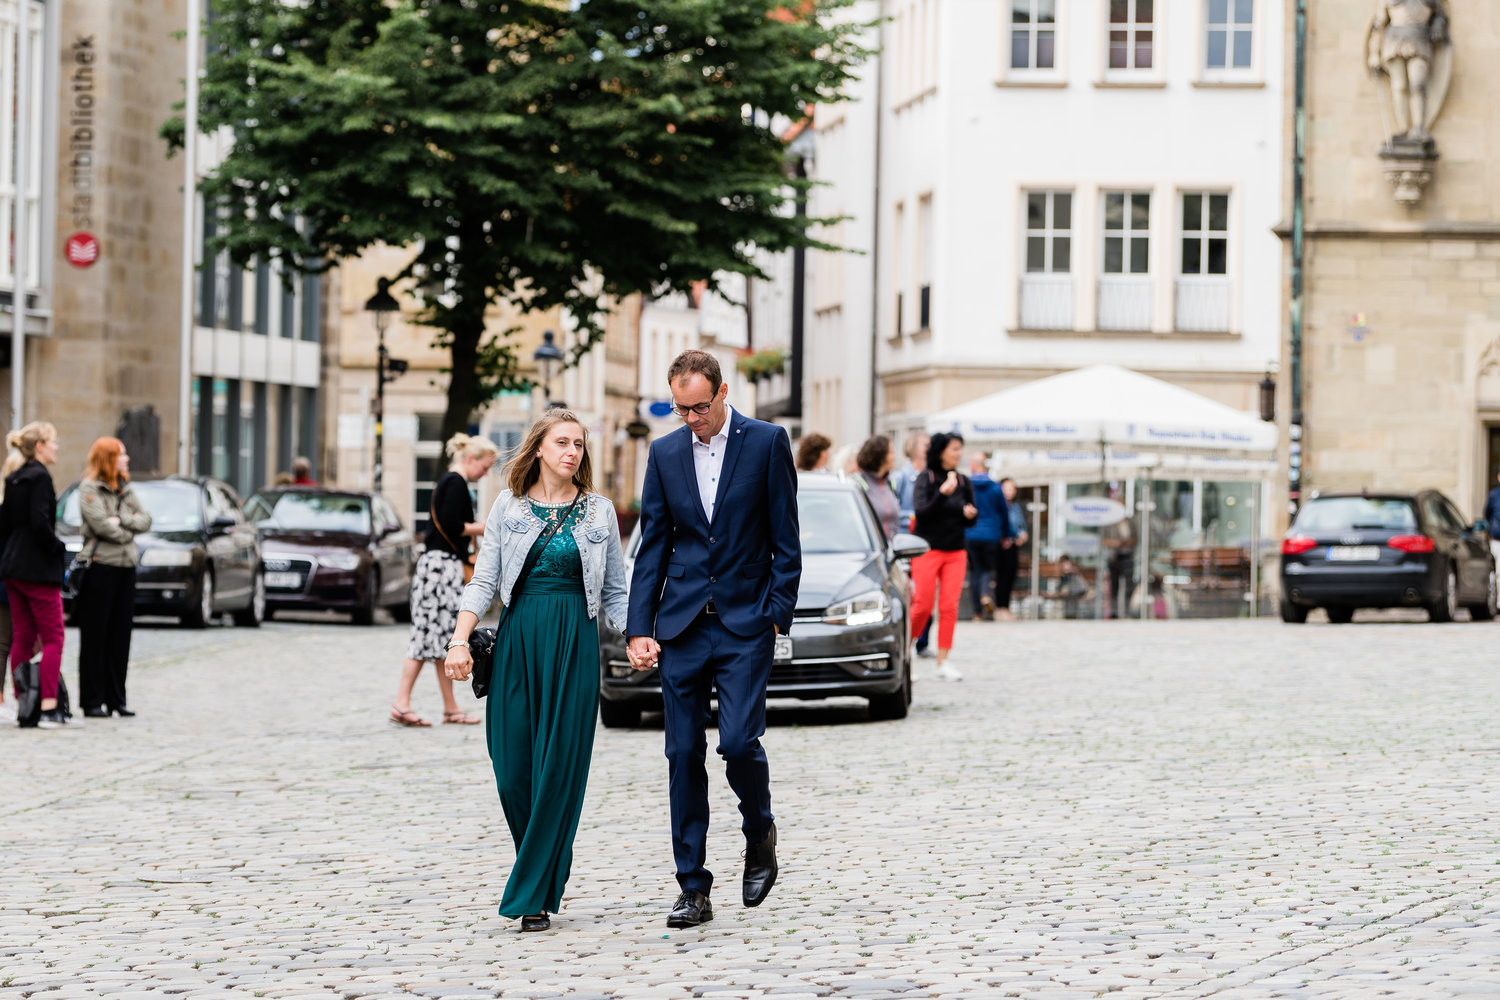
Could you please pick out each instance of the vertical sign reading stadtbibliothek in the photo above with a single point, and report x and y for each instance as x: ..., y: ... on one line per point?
x: 82, y: 248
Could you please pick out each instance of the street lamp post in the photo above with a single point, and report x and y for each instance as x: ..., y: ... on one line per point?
x: 382, y: 304
x: 548, y: 358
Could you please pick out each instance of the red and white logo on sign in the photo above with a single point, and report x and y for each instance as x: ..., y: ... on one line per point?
x: 82, y: 249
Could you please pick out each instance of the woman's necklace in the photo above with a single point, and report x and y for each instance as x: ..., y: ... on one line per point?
x: 550, y: 517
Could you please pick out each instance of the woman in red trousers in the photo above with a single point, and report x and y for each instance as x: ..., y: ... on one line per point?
x: 944, y: 501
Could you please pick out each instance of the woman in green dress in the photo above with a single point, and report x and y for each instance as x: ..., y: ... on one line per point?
x: 544, y: 690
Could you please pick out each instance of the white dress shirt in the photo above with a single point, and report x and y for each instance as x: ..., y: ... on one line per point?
x: 708, y: 462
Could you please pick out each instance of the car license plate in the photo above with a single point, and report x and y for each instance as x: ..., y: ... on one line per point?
x: 1353, y: 553
x: 283, y: 581
x: 783, y: 648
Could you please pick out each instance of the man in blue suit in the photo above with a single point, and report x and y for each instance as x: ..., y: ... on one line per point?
x: 715, y: 582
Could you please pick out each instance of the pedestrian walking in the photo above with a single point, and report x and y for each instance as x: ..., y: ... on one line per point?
x: 13, y: 462
x: 715, y: 582
x: 104, y: 607
x: 812, y: 453
x: 1118, y: 541
x: 876, y: 457
x: 904, y: 481
x: 982, y: 538
x: 32, y: 562
x: 302, y: 472
x: 944, y: 501
x: 1011, y: 543
x: 1492, y: 517
x: 845, y: 460
x: 552, y: 554
x: 437, y: 584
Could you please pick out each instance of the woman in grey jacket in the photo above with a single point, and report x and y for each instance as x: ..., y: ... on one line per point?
x: 105, y: 606
x: 544, y: 691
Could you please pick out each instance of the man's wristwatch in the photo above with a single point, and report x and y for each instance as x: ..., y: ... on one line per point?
x: 459, y: 642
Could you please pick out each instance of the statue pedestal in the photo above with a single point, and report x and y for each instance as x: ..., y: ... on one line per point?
x: 1409, y: 164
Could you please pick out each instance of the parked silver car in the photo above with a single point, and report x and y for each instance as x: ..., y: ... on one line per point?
x: 849, y: 632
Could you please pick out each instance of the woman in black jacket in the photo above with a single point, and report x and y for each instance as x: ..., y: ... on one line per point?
x: 32, y: 561
x: 944, y: 501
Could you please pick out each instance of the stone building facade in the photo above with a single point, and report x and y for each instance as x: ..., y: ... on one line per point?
x: 1401, y: 339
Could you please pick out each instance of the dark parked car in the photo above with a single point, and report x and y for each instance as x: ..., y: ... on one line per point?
x: 849, y: 631
x: 336, y: 550
x: 1386, y: 550
x: 201, y: 557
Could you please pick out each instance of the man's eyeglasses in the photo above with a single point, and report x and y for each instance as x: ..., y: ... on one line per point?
x: 699, y: 408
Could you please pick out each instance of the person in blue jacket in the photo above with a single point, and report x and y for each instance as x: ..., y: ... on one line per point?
x: 983, y: 538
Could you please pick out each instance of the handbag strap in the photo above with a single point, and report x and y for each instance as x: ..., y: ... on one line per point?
x: 432, y: 514
x: 537, y: 550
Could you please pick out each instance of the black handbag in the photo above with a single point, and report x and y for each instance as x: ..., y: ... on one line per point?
x: 482, y: 640
x: 27, y: 679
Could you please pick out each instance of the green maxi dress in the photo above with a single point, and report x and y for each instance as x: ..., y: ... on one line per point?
x: 540, y: 718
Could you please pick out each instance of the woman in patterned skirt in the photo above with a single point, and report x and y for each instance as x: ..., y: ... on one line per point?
x: 438, y: 583
x: 544, y: 691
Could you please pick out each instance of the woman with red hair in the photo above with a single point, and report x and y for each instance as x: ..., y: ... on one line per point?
x: 105, y: 606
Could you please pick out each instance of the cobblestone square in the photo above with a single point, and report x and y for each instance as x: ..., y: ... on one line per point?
x: 1136, y: 810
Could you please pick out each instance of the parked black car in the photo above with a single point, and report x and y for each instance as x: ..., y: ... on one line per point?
x: 1386, y: 550
x: 200, y: 559
x: 337, y: 550
x: 849, y: 631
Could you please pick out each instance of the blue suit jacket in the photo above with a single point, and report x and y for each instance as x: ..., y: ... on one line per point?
x: 748, y: 561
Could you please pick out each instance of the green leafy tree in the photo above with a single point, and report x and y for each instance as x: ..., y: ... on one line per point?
x: 541, y: 152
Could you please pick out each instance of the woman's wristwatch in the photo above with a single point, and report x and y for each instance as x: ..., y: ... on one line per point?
x: 457, y: 642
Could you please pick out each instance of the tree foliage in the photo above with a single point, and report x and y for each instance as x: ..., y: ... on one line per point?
x: 544, y: 152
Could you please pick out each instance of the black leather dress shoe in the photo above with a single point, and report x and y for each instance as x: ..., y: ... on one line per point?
x: 691, y: 909
x: 123, y: 713
x: 540, y: 922
x: 96, y: 713
x: 760, y: 868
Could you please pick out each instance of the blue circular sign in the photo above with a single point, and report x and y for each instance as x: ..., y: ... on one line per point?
x: 660, y: 408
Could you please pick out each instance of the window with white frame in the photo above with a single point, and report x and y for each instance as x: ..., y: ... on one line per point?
x: 1230, y: 27
x: 898, y: 270
x: 1124, y: 299
x: 25, y: 253
x: 1127, y: 232
x: 1033, y: 34
x: 1047, y: 284
x: 925, y: 243
x: 1203, y: 279
x: 1132, y: 34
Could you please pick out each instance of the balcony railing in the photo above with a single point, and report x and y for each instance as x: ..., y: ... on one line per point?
x: 1124, y: 302
x: 1203, y: 304
x: 1046, y: 302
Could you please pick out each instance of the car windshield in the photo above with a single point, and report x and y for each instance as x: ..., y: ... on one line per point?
x: 172, y: 506
x: 310, y: 512
x: 1356, y: 514
x: 832, y: 521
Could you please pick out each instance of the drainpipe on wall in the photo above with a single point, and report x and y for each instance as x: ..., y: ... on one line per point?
x: 21, y: 239
x: 1299, y: 161
x: 185, y: 427
x: 799, y: 305
x: 875, y: 219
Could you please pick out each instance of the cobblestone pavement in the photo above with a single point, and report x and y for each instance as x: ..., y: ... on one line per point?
x: 1165, y: 810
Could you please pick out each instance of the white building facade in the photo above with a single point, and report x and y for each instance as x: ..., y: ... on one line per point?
x: 1060, y: 182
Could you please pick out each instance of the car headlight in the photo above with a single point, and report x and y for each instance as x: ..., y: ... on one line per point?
x: 340, y: 560
x: 866, y: 609
x: 167, y: 557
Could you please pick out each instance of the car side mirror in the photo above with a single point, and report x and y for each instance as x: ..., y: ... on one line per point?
x: 1481, y: 527
x: 221, y: 523
x: 905, y: 546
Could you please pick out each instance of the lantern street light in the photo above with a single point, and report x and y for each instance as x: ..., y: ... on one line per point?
x: 548, y: 358
x: 1268, y: 399
x: 382, y: 304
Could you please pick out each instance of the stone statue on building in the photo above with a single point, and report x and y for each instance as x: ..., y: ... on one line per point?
x: 1408, y: 43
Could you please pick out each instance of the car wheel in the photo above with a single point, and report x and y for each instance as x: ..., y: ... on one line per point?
x: 1487, y: 611
x: 619, y: 714
x: 255, y: 612
x: 1340, y: 616
x: 365, y: 613
x: 202, y: 611
x: 1446, y: 606
x: 886, y: 707
x: 1293, y: 614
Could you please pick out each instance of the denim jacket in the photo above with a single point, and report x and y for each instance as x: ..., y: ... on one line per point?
x: 511, y: 529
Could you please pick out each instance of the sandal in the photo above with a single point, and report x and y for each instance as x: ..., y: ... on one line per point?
x: 461, y: 719
x: 408, y: 718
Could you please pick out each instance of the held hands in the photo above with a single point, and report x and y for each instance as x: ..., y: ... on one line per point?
x: 460, y: 663
x: 949, y: 485
x: 644, y: 652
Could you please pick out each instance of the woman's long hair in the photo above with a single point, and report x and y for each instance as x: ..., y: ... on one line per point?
x: 104, y: 459
x: 936, y: 445
x: 525, y: 466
